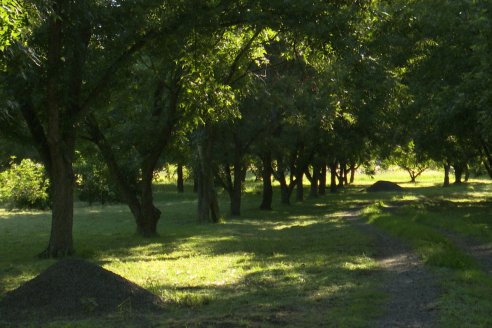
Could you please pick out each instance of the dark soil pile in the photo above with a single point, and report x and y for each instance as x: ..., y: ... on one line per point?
x: 384, y: 186
x: 74, y: 287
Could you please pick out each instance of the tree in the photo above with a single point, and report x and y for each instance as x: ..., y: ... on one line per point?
x: 78, y: 47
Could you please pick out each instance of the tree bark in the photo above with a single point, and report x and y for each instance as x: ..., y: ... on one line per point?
x: 353, y: 168
x: 180, y: 182
x: 61, y: 145
x: 267, y: 195
x: 322, y: 180
x: 149, y: 214
x: 333, y: 175
x: 341, y: 176
x: 458, y: 173
x: 208, y: 205
x: 313, y: 190
x: 62, y: 181
x: 447, y: 168
x: 237, y: 185
x: 285, y: 189
x: 299, y: 185
x: 195, y: 180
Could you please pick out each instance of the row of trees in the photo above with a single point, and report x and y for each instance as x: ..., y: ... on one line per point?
x: 297, y: 88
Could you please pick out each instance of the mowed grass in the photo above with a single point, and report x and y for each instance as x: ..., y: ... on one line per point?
x: 297, y: 266
x: 426, y: 218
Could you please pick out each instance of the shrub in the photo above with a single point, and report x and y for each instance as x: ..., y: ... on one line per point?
x: 93, y: 181
x: 24, y: 185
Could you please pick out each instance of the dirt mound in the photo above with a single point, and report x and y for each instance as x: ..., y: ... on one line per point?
x: 384, y: 186
x: 74, y: 287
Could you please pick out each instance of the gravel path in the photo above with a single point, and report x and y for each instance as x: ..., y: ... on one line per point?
x: 412, y: 289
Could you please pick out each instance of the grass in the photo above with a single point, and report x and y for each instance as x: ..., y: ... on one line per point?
x: 425, y: 218
x: 297, y: 266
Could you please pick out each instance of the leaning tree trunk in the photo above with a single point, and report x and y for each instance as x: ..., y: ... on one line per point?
x: 208, y: 205
x: 267, y: 195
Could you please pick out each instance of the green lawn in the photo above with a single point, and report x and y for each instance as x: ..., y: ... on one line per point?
x: 296, y: 266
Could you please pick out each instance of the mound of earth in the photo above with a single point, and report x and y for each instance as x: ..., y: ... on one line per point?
x: 74, y: 287
x: 384, y: 186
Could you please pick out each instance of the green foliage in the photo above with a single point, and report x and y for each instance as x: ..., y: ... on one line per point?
x: 12, y: 21
x: 93, y: 180
x: 409, y: 159
x: 24, y: 185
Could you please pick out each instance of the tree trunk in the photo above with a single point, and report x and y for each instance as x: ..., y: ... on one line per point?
x: 352, y: 173
x: 285, y: 193
x: 267, y: 195
x: 149, y: 215
x: 333, y: 175
x: 195, y: 180
x: 458, y: 173
x: 180, y: 182
x: 488, y: 157
x: 239, y: 174
x: 341, y: 176
x: 62, y: 180
x: 313, y: 191
x: 299, y: 186
x: 447, y: 168
x: 61, y: 146
x: 208, y: 205
x: 322, y: 180
x: 345, y: 175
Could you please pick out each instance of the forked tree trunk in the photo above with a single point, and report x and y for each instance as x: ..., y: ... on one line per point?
x: 180, y: 182
x: 267, y: 195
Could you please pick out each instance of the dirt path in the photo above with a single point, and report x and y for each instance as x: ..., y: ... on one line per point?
x: 412, y: 289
